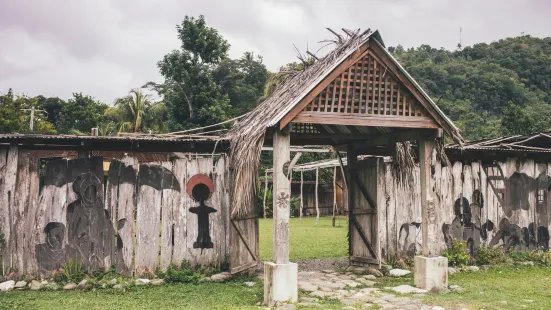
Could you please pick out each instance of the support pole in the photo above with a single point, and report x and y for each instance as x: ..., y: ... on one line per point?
x: 265, y: 191
x: 428, y: 216
x: 430, y: 270
x: 334, y: 194
x: 351, y: 159
x: 317, y: 202
x: 301, y: 195
x: 281, y: 276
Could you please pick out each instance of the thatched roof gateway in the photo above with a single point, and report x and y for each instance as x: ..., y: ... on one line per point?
x: 357, y: 91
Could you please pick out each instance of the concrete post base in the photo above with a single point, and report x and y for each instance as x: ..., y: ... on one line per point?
x: 430, y: 272
x: 280, y: 283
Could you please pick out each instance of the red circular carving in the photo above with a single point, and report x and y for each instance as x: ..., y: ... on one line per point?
x: 199, y: 179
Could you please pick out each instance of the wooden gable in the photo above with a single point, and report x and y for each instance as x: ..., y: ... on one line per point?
x: 365, y: 90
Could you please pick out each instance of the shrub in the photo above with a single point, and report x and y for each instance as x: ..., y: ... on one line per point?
x: 538, y: 256
x: 457, y: 255
x: 490, y: 256
x: 73, y: 270
x: 101, y: 274
x: 185, y: 274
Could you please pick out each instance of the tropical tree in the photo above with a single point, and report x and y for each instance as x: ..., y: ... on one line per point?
x: 191, y: 95
x: 136, y: 113
x: 80, y: 114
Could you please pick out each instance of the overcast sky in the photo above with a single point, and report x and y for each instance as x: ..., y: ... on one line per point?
x: 104, y: 48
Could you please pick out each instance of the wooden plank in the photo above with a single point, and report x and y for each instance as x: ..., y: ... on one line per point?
x: 180, y: 212
x: 51, y: 202
x: 111, y: 202
x: 428, y: 223
x: 125, y: 220
x: 390, y: 234
x: 326, y: 97
x: 243, y: 238
x: 29, y: 252
x: 170, y: 194
x: 19, y: 212
x: 8, y: 188
x: 365, y: 120
x: 363, y: 189
x: 243, y: 267
x: 220, y: 226
x: 356, y: 55
x: 191, y: 224
x: 362, y: 234
x: 8, y: 178
x: 148, y: 218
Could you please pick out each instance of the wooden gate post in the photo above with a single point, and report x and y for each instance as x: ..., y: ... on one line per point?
x: 430, y: 270
x: 280, y: 277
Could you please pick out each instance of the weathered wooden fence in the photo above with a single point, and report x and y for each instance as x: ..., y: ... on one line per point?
x: 497, y: 203
x: 139, y: 217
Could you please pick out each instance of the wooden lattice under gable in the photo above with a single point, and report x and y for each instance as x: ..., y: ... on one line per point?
x: 367, y: 87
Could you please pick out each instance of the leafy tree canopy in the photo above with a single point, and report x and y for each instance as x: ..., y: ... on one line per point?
x: 80, y: 114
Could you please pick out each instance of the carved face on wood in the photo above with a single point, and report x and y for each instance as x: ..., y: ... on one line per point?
x: 55, y: 232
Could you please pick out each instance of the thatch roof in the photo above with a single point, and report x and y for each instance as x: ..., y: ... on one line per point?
x: 247, y: 136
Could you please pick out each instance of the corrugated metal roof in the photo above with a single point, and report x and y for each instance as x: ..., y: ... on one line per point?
x: 18, y: 136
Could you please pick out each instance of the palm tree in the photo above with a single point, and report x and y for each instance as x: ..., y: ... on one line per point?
x: 136, y: 111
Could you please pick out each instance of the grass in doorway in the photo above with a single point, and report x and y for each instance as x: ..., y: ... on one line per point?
x: 307, y: 239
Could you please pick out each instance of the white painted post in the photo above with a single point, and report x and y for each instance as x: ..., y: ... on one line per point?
x: 280, y: 276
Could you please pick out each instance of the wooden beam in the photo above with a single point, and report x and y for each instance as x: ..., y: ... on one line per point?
x: 281, y: 198
x: 363, y: 235
x: 301, y: 150
x: 428, y: 216
x: 355, y: 56
x: 398, y: 136
x: 292, y: 164
x: 354, y: 119
x: 351, y: 160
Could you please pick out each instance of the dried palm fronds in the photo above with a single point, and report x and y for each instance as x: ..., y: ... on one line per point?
x: 404, y: 163
x: 247, y: 136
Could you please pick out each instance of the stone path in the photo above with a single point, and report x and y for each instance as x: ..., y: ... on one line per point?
x: 356, y: 291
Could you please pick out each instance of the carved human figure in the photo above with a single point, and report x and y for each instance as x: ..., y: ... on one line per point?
x: 51, y: 254
x: 89, y: 228
x: 201, y: 192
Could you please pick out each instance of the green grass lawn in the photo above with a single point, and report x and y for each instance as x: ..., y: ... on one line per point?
x: 307, y: 239
x: 511, y: 287
x: 230, y: 295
